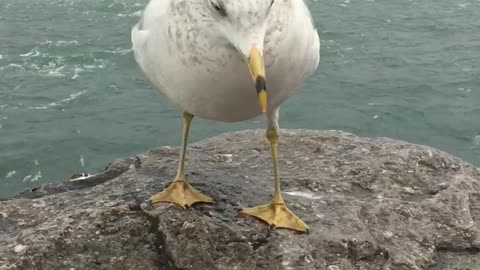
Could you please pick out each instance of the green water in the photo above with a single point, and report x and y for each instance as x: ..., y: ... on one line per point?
x: 72, y: 99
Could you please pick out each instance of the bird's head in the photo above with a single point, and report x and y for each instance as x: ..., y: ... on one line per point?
x: 242, y: 25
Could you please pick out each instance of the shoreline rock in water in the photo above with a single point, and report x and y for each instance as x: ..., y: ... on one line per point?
x: 371, y: 204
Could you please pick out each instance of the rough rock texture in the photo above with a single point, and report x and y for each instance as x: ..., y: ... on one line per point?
x: 370, y: 204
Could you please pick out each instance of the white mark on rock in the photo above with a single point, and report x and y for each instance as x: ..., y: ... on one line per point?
x: 188, y: 225
x: 81, y: 176
x: 309, y: 259
x: 20, y: 249
x: 226, y: 157
x: 303, y: 194
x: 388, y: 235
x: 41, y: 203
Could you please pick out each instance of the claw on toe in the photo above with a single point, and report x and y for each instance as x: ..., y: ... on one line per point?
x: 181, y: 193
x: 277, y: 215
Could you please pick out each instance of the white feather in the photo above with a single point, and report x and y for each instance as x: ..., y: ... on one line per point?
x: 216, y: 84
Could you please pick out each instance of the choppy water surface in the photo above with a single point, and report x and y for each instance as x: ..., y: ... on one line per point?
x: 72, y: 99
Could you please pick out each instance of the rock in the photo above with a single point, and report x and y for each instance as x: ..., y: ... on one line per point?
x: 371, y: 204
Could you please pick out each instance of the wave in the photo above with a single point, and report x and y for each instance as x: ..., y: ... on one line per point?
x: 45, y: 60
x: 59, y: 43
x: 56, y: 67
x: 133, y: 14
x: 12, y: 65
x: 10, y: 174
x: 33, y: 53
x: 62, y: 43
x: 33, y: 178
x: 53, y: 72
x: 76, y: 73
x: 118, y: 51
x: 71, y: 97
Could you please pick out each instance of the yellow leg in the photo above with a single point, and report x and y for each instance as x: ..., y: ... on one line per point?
x: 276, y: 213
x: 179, y: 191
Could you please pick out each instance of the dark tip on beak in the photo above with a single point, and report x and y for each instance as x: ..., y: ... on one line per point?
x: 260, y: 84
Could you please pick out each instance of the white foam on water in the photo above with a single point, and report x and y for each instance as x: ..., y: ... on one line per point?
x: 10, y: 174
x: 63, y: 43
x: 71, y: 97
x: 119, y: 51
x: 26, y: 178
x: 11, y: 65
x: 42, y: 107
x: 33, y: 53
x: 46, y: 42
x: 461, y: 89
x: 133, y: 14
x: 76, y: 72
x: 82, y: 161
x: 1, y: 57
x: 98, y: 63
x: 55, y: 73
x: 36, y: 177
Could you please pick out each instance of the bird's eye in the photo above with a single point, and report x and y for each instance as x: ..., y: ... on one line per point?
x: 219, y: 8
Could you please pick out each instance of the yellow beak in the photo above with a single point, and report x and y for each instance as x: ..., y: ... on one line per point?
x: 257, y: 70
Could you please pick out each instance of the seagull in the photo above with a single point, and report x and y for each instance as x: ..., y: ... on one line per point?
x: 214, y: 59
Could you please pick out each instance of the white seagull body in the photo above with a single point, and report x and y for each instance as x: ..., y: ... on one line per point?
x: 208, y: 77
x: 203, y: 55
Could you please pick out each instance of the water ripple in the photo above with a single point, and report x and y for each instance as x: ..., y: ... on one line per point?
x: 70, y: 98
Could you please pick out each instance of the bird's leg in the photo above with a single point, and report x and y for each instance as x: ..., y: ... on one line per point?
x: 276, y: 214
x: 179, y: 191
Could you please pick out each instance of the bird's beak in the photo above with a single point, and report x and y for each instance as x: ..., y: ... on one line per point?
x: 257, y: 70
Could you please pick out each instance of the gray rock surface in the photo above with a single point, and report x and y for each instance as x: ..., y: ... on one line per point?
x: 371, y: 204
